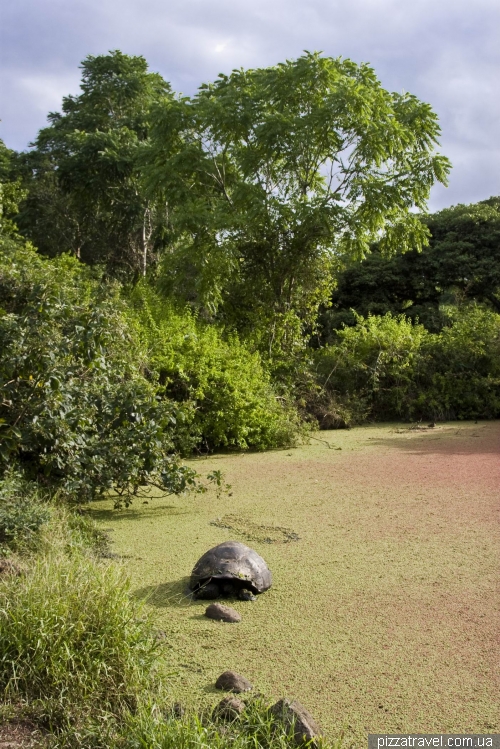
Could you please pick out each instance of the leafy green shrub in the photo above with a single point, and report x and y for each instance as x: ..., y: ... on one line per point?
x: 388, y: 367
x: 73, y: 643
x: 76, y: 411
x: 373, y: 368
x: 234, y: 402
x: 21, y: 512
x: 462, y: 367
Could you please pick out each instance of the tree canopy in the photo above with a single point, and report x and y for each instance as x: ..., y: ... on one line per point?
x: 84, y: 177
x: 461, y: 264
x: 273, y: 175
x: 251, y: 194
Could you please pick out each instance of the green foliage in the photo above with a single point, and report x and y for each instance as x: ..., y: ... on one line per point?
x: 463, y: 367
x: 73, y: 643
x: 461, y: 263
x: 232, y: 401
x: 76, y: 412
x: 372, y: 367
x: 22, y: 513
x: 260, y: 186
x: 271, y: 175
x: 83, y: 175
x: 390, y: 368
x: 465, y: 248
x: 11, y: 192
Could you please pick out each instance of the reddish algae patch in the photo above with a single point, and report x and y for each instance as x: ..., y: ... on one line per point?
x: 383, y: 617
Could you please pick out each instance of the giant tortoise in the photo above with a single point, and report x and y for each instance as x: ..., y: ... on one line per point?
x: 231, y: 568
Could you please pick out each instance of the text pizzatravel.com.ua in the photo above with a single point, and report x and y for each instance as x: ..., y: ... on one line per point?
x: 377, y: 741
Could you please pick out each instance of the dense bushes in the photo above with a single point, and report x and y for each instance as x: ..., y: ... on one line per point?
x: 463, y: 369
x: 93, y: 401
x: 390, y: 368
x: 76, y: 411
x: 100, y: 395
x: 233, y: 402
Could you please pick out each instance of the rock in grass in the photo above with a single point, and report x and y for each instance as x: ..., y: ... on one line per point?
x: 222, y: 613
x: 228, y: 709
x: 230, y: 681
x: 177, y: 710
x: 292, y: 712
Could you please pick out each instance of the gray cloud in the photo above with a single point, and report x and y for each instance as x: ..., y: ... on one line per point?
x: 445, y: 51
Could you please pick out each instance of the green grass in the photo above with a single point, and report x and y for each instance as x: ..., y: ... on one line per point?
x: 254, y: 729
x: 73, y: 643
x: 380, y: 618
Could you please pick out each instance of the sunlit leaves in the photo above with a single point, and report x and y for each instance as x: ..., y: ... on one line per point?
x: 269, y: 172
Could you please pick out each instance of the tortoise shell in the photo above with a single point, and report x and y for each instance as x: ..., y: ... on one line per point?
x: 233, y: 561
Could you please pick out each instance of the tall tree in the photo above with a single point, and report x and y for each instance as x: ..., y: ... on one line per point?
x: 84, y: 174
x: 273, y: 176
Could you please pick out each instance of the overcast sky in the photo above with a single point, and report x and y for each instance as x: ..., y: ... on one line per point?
x: 446, y: 52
